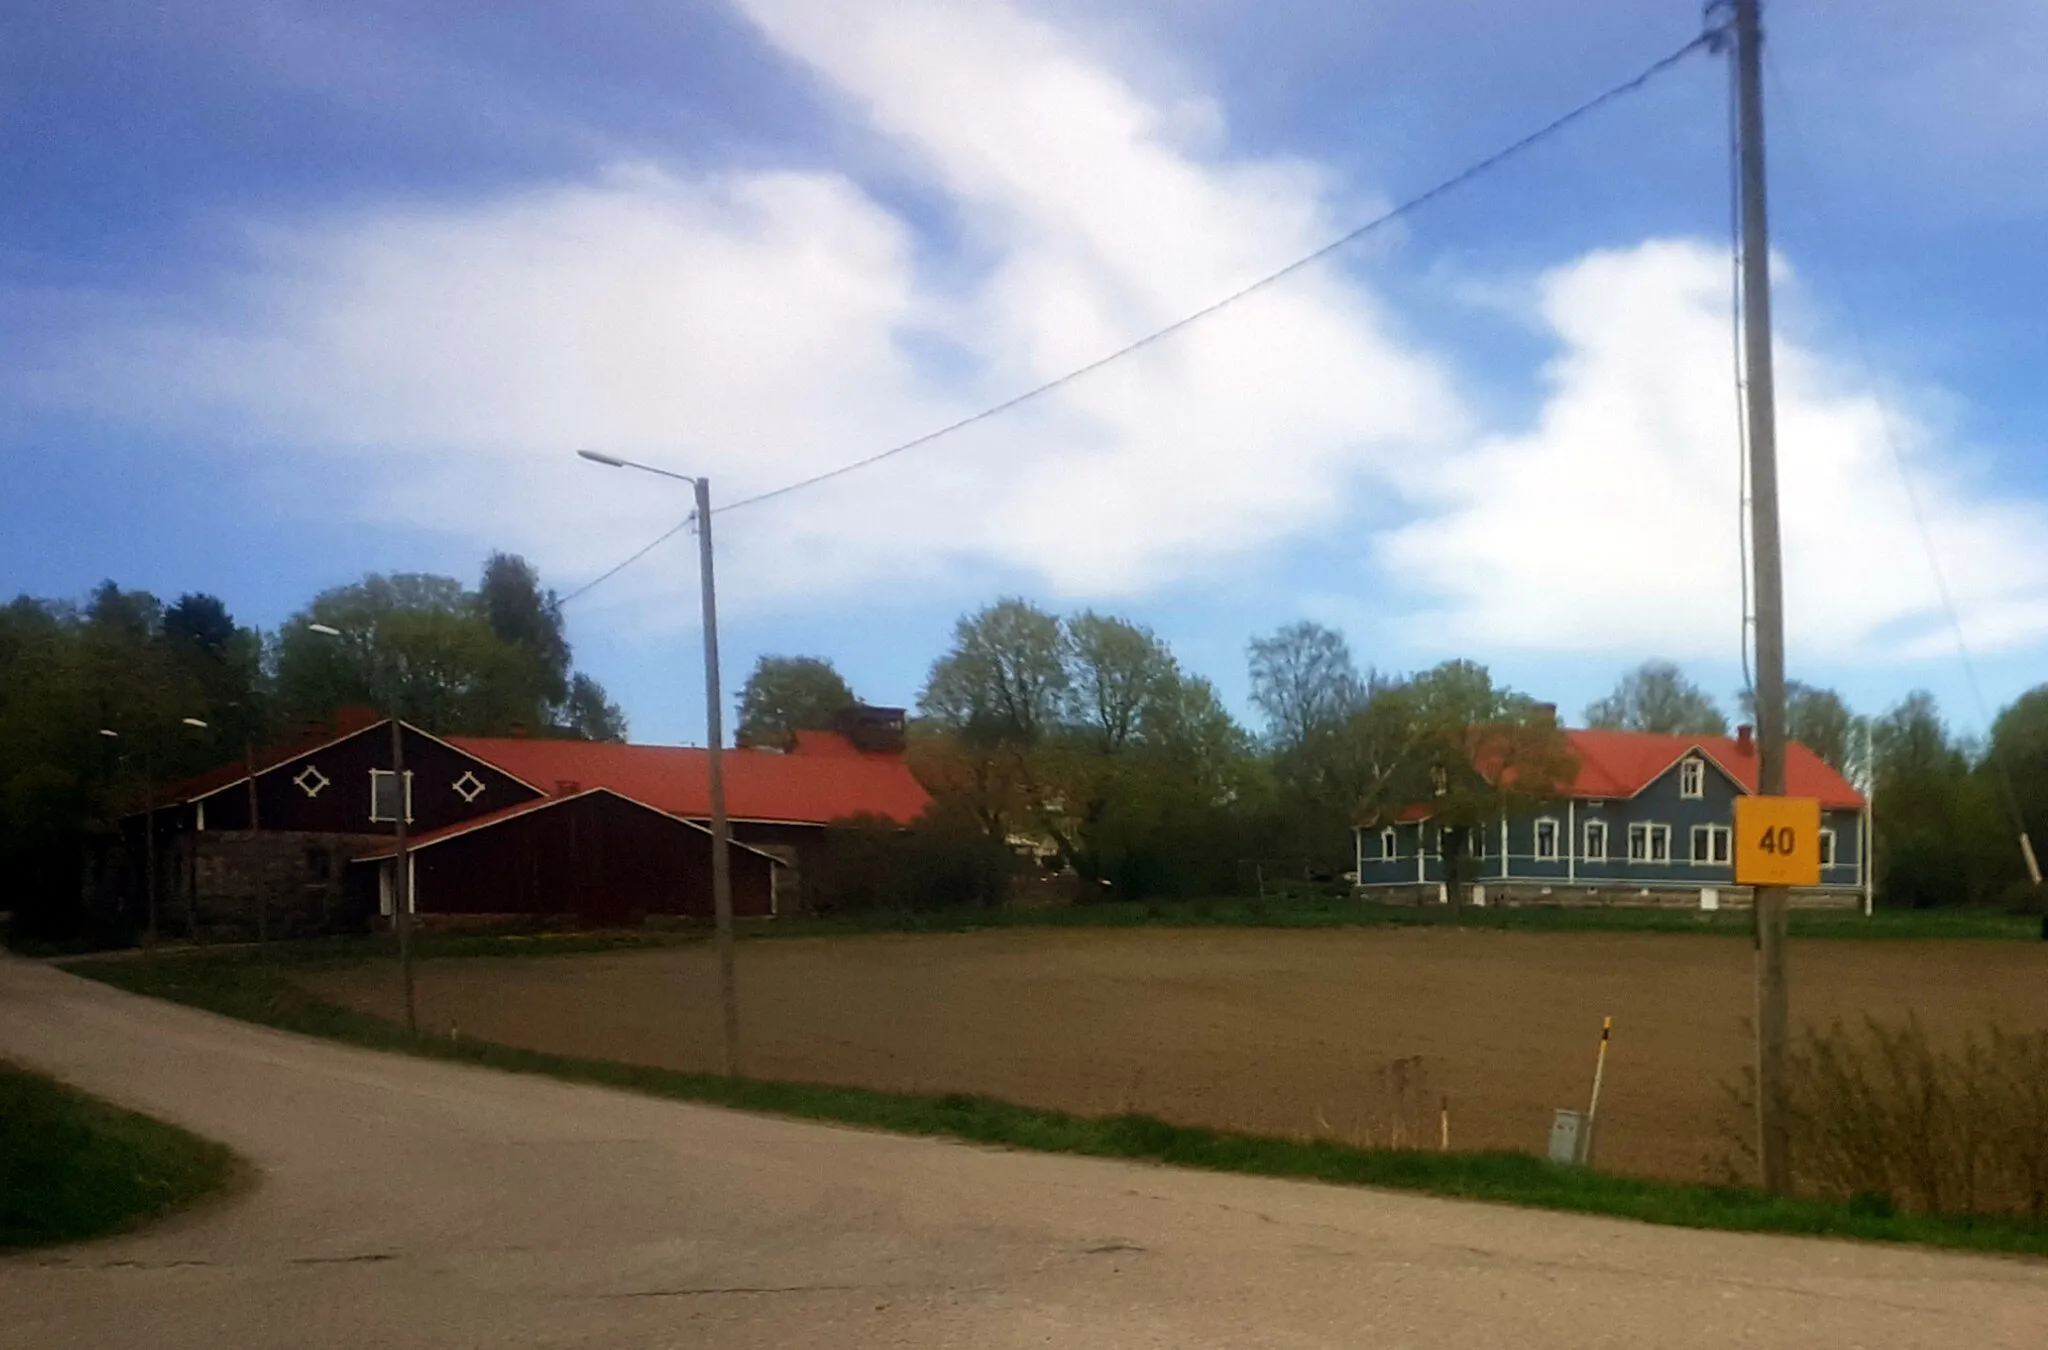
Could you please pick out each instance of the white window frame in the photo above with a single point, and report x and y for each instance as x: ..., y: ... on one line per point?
x: 1653, y: 833
x: 1692, y: 778
x: 1390, y: 843
x: 1719, y: 841
x: 1827, y: 848
x: 1588, y: 854
x: 1475, y: 844
x: 1536, y: 838
x: 375, y: 776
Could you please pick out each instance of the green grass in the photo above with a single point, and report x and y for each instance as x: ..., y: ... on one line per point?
x: 260, y: 990
x: 73, y: 1167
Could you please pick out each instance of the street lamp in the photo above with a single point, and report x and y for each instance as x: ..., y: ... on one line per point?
x: 714, y: 737
x: 401, y: 859
x: 149, y: 882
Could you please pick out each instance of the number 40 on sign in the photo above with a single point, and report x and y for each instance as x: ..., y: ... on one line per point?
x: 1777, y: 841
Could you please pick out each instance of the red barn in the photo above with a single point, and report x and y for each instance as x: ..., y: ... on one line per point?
x: 603, y: 832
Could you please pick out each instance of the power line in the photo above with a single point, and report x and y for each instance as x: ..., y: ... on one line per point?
x: 1407, y: 207
x: 626, y: 562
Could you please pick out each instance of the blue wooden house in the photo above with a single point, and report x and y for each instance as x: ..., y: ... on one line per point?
x: 1645, y: 814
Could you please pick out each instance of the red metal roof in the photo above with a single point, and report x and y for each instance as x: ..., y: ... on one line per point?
x: 824, y: 779
x: 1615, y: 764
x: 1623, y: 763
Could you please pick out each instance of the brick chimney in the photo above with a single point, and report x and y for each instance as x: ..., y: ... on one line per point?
x: 519, y: 731
x: 1745, y: 740
x: 1546, y: 713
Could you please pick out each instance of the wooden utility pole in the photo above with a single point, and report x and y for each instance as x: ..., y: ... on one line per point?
x: 401, y: 862
x: 149, y: 845
x: 262, y: 902
x: 1772, y: 1006
x: 721, y: 830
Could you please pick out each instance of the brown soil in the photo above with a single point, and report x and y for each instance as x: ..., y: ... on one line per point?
x: 1272, y: 1032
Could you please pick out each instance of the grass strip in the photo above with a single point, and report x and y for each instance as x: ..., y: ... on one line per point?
x: 74, y: 1167
x: 253, y: 989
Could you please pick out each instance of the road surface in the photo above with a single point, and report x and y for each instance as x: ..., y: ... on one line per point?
x: 405, y: 1203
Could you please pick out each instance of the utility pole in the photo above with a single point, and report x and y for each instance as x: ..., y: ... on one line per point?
x: 714, y: 738
x: 401, y: 862
x: 1772, y: 1004
x: 262, y: 902
x: 149, y: 845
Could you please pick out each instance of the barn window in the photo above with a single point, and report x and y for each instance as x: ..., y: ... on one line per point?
x: 469, y: 787
x: 1692, y: 778
x: 310, y: 781
x: 384, y: 795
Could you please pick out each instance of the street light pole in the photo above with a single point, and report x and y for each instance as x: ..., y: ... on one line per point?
x: 714, y: 736
x: 401, y: 880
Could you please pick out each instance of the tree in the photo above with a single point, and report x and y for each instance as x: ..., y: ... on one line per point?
x: 588, y: 715
x: 1304, y: 681
x: 1941, y: 838
x: 1819, y: 720
x: 787, y: 694
x: 1005, y: 679
x: 529, y: 619
x: 1119, y: 675
x: 1657, y: 697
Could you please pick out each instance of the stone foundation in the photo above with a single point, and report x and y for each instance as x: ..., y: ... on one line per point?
x: 1522, y: 893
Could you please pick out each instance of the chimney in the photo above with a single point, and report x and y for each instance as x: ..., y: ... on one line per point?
x: 312, y: 731
x: 567, y: 787
x: 519, y: 731
x: 1547, y: 714
x: 1745, y: 742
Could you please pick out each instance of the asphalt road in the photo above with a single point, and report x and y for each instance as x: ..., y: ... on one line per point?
x: 409, y: 1204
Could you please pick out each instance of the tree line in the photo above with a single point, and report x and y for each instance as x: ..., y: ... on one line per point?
x: 106, y: 702
x: 1084, y: 737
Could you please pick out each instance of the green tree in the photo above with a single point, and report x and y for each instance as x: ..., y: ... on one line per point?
x: 528, y: 618
x: 1819, y: 720
x: 1657, y: 697
x: 787, y: 694
x: 1941, y: 837
x: 588, y: 715
x: 1005, y: 679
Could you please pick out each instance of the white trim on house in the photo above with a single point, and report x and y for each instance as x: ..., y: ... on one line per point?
x: 375, y: 776
x: 1828, y: 850
x: 1718, y: 840
x: 1606, y: 843
x: 525, y: 808
x: 1390, y: 843
x: 1536, y: 838
x: 1571, y: 841
x: 1692, y: 778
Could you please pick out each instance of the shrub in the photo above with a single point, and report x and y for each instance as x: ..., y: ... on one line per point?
x: 1880, y: 1116
x: 944, y: 860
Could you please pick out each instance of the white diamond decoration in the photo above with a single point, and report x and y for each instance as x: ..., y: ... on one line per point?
x: 310, y: 781
x: 469, y: 787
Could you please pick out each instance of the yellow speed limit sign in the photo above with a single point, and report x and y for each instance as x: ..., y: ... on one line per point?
x: 1777, y: 841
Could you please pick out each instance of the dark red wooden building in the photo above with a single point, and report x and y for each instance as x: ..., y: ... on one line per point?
x: 514, y: 826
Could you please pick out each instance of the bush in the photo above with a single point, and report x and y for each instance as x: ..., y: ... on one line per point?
x: 944, y: 860
x: 1881, y: 1116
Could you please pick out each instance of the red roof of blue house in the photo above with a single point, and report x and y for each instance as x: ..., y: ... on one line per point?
x: 1623, y: 763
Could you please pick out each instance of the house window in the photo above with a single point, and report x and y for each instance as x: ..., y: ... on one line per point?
x: 1827, y: 848
x: 1389, y: 843
x: 1596, y: 841
x: 1546, y: 840
x: 1649, y: 843
x: 1692, y: 778
x: 1478, y: 838
x: 384, y: 795
x: 1710, y: 844
x: 310, y: 781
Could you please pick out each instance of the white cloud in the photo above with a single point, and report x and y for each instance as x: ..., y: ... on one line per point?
x: 1610, y: 525
x: 761, y: 326
x: 765, y: 326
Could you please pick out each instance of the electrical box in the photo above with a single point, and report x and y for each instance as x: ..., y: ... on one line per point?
x: 1571, y: 1135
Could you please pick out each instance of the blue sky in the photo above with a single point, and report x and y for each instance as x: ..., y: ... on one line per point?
x: 300, y: 291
